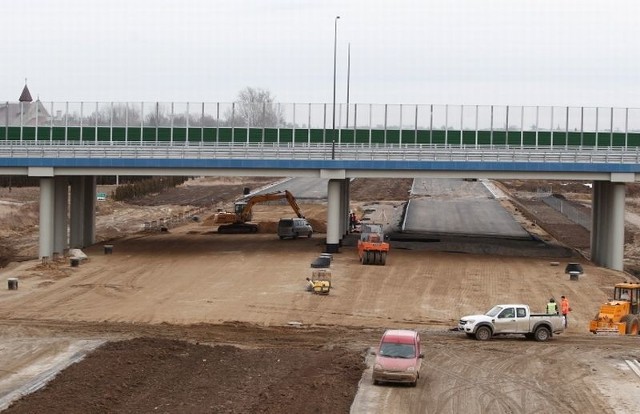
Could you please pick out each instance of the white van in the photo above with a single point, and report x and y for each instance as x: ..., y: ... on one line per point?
x: 294, y: 228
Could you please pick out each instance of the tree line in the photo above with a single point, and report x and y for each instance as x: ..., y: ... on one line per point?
x: 254, y: 107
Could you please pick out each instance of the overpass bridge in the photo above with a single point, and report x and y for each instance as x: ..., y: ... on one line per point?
x: 69, y: 144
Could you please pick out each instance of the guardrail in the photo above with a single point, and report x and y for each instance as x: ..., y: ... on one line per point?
x: 348, y: 152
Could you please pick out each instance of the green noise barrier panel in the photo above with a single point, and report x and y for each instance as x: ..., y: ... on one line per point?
x: 317, y: 136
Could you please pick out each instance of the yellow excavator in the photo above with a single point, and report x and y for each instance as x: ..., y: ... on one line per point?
x: 239, y: 221
x: 619, y: 316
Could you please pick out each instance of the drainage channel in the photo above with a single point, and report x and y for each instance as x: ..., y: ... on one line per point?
x: 40, y: 373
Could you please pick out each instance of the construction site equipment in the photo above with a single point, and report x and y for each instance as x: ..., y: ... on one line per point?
x: 239, y: 220
x: 321, y: 262
x: 320, y: 281
x: 619, y: 315
x: 372, y: 247
x: 294, y: 228
x: 574, y: 270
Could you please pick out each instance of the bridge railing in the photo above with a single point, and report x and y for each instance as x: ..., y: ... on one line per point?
x: 347, y: 152
x: 236, y: 122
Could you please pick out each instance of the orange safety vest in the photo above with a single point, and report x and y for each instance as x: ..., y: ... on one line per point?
x: 564, y: 305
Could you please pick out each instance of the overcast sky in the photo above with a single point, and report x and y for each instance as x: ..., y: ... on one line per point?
x: 515, y: 52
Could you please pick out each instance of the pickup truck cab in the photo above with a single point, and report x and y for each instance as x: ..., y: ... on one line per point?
x: 511, y: 319
x: 398, y: 357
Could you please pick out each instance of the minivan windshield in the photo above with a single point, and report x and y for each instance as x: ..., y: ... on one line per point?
x: 396, y: 350
x: 286, y: 223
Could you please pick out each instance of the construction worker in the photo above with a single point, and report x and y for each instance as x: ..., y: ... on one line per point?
x: 352, y: 221
x: 552, y: 307
x: 565, y: 309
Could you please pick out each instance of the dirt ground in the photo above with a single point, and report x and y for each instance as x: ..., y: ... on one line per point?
x: 194, y: 321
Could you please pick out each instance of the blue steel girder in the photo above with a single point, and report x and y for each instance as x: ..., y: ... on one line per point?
x: 328, y: 164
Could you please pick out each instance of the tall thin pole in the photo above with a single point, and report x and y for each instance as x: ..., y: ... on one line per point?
x: 335, y: 47
x: 348, y: 76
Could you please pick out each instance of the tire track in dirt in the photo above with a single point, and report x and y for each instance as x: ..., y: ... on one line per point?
x: 495, y: 382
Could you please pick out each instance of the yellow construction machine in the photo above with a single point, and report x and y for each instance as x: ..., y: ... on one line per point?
x: 619, y: 315
x: 320, y: 281
x: 238, y: 221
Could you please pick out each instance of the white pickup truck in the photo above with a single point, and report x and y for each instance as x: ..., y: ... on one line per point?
x: 511, y: 319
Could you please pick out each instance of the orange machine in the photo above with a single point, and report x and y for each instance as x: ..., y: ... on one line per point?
x: 620, y: 314
x: 372, y: 247
x: 239, y: 219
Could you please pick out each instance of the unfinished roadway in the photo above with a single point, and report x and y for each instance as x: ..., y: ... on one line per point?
x: 191, y: 275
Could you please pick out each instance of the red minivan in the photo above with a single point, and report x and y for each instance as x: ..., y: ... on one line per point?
x: 398, y: 358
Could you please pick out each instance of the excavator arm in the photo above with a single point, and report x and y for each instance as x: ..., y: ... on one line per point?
x: 294, y: 204
x: 263, y: 198
x: 243, y: 211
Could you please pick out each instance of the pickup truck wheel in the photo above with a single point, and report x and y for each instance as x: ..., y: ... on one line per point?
x: 483, y: 333
x: 542, y: 334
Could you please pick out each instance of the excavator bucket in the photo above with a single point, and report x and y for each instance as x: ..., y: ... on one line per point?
x: 608, y: 332
x: 610, y: 329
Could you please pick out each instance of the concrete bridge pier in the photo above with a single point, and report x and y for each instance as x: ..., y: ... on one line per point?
x: 607, y: 224
x: 46, y: 225
x: 61, y: 213
x: 597, y: 203
x: 77, y: 212
x: 334, y: 215
x: 83, y: 207
x: 344, y: 223
x: 89, y: 216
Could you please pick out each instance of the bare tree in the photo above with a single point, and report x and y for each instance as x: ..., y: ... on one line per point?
x: 255, y: 107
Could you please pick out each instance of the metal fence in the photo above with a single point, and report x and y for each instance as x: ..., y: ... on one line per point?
x: 570, y: 211
x: 585, y: 125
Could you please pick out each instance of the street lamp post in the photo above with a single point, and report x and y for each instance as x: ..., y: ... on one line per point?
x: 335, y: 46
x: 348, y: 76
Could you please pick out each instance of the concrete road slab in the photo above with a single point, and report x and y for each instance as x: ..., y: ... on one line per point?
x: 462, y: 217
